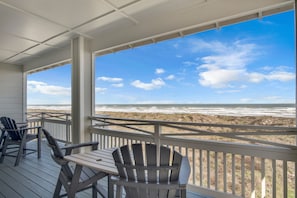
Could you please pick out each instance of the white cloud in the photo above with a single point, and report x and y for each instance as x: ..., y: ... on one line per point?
x: 228, y: 63
x: 159, y: 71
x: 154, y: 84
x: 190, y: 63
x: 100, y: 90
x: 267, y: 68
x: 118, y: 85
x: 235, y: 56
x: 274, y: 75
x: 228, y: 91
x: 170, y: 77
x: 255, y: 77
x: 109, y: 79
x: 280, y: 75
x: 44, y: 88
x: 219, y: 78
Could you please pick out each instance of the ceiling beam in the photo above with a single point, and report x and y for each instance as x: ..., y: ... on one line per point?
x: 28, y: 13
x: 120, y: 10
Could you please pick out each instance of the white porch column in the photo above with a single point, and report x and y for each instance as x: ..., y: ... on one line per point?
x: 295, y: 32
x: 82, y: 77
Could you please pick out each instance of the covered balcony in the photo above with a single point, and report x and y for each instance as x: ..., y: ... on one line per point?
x: 36, y: 35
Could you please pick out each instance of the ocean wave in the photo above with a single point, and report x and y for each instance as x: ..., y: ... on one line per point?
x: 280, y: 110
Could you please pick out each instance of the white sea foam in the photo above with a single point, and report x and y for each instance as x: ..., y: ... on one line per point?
x: 280, y: 110
x: 50, y: 107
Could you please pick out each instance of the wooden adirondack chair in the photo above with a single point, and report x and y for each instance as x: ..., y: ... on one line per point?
x: 142, y: 178
x: 88, y: 177
x: 15, y: 139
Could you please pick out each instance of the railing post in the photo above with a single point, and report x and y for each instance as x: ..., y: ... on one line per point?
x: 157, y: 137
x: 67, y: 128
x: 42, y: 119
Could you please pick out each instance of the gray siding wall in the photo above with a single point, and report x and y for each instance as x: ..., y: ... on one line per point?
x: 11, y: 92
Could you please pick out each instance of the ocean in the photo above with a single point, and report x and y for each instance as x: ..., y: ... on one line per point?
x: 276, y: 110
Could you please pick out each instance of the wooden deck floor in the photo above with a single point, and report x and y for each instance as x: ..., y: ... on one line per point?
x: 35, y: 177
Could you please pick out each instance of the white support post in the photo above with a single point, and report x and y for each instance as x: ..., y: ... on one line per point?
x: 82, y: 77
x: 295, y: 6
x: 24, y: 110
x: 158, y: 142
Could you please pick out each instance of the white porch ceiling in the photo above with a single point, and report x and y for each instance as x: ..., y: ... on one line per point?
x: 33, y: 30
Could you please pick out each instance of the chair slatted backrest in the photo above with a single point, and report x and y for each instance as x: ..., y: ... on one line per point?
x: 56, y: 152
x: 138, y: 163
x: 12, y: 129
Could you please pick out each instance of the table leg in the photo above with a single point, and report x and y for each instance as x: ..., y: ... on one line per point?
x: 110, y: 187
x: 39, y: 143
x: 75, y: 181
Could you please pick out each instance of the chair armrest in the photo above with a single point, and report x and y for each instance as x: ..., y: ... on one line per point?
x: 29, y: 128
x: 69, y: 148
x: 22, y: 124
x: 36, y: 130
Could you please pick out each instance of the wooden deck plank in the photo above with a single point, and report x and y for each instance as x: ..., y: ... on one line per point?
x: 17, y: 183
x: 31, y: 184
x: 36, y: 177
x: 7, y: 190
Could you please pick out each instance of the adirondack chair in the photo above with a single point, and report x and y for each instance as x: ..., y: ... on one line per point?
x: 140, y: 176
x: 88, y: 177
x: 15, y: 139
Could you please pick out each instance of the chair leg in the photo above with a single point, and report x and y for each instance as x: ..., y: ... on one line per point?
x: 183, y: 193
x: 58, y: 188
x: 119, y: 191
x: 20, y: 152
x: 2, y: 138
x: 39, y: 143
x: 3, y: 150
x: 24, y: 150
x: 94, y: 190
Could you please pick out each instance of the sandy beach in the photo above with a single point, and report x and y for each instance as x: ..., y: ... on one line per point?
x: 202, y: 118
x: 194, y: 117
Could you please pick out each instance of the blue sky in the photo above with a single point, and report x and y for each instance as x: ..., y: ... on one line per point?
x: 250, y: 62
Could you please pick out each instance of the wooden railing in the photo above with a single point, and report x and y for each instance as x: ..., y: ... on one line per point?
x: 58, y: 123
x: 226, y: 160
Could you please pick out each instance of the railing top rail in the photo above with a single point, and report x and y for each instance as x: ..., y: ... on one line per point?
x: 160, y: 122
x: 267, y: 151
x: 48, y: 113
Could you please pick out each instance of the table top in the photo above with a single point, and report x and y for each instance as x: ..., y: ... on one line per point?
x: 100, y: 160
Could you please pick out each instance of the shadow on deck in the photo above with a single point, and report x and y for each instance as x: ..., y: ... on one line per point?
x: 36, y: 177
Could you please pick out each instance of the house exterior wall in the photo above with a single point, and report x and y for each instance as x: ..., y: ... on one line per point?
x: 12, y: 101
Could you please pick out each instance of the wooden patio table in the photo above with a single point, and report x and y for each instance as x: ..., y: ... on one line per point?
x: 100, y: 160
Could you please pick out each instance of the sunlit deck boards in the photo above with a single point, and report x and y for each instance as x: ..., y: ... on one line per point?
x: 32, y: 178
x: 35, y: 178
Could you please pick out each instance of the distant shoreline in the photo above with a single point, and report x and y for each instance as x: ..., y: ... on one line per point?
x: 276, y: 110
